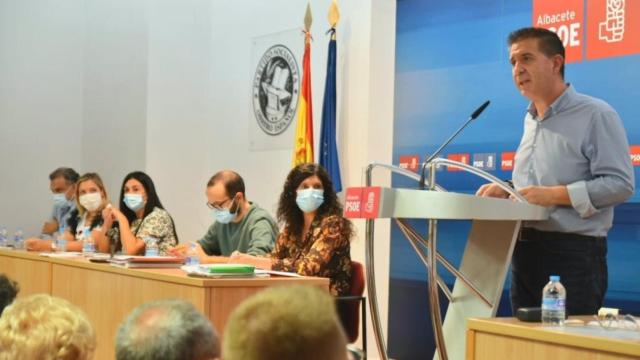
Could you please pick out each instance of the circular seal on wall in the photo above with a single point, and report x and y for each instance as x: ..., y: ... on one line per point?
x: 275, y: 90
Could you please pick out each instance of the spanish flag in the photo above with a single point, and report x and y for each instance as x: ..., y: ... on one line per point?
x: 303, y: 146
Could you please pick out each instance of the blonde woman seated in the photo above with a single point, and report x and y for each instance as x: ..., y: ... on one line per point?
x: 86, y: 220
x: 45, y: 327
x: 316, y: 237
x: 141, y: 218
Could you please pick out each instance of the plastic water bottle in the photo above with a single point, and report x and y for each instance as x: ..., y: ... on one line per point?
x: 4, y: 241
x: 60, y: 241
x: 554, y: 297
x: 151, y: 246
x: 88, y: 245
x: 18, y: 239
x: 192, y: 255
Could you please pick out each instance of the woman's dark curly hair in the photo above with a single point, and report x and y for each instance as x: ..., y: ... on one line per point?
x: 153, y: 201
x: 290, y: 215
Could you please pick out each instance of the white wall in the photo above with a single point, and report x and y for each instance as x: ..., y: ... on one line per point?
x: 115, y: 88
x: 164, y: 86
x: 181, y: 117
x: 41, y: 104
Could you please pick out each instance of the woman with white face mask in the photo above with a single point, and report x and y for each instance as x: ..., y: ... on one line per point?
x: 315, y: 240
x: 92, y: 198
x: 141, y: 218
x: 86, y: 220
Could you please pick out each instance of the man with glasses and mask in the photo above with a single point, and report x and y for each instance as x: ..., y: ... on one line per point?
x: 240, y: 225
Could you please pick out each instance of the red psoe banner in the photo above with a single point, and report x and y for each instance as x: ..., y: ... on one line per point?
x: 565, y: 18
x: 634, y: 153
x: 613, y: 28
x: 463, y: 158
x: 410, y: 162
x: 506, y: 161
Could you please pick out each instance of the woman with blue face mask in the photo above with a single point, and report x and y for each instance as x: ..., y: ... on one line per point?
x: 141, y: 218
x: 315, y: 240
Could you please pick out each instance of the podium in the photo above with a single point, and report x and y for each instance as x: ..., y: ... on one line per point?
x: 485, y: 262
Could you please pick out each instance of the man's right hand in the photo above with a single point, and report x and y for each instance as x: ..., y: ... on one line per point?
x: 492, y: 190
x: 50, y: 227
x: 178, y: 250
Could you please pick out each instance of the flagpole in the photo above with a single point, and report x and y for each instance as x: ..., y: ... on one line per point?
x: 328, y: 152
x: 303, y: 141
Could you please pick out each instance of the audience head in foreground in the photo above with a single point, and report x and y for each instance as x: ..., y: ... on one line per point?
x: 283, y: 323
x: 8, y: 291
x: 168, y: 330
x: 45, y: 327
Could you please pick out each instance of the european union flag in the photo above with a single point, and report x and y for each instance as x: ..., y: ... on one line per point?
x: 328, y: 147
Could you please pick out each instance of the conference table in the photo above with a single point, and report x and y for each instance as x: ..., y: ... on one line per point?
x: 107, y: 293
x: 509, y: 338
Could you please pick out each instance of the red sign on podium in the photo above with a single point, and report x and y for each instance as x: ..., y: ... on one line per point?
x: 362, y: 202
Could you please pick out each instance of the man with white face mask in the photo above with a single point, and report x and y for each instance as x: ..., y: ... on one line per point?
x: 63, y: 184
x: 240, y: 225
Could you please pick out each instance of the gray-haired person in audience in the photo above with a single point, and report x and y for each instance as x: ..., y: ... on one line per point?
x: 285, y: 323
x: 168, y: 330
x: 8, y: 291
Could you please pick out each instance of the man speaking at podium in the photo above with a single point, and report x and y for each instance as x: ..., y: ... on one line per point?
x: 573, y: 158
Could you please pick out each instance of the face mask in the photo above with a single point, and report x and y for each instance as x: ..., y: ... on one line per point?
x: 60, y: 199
x: 133, y: 201
x: 224, y: 216
x: 91, y: 202
x: 309, y: 200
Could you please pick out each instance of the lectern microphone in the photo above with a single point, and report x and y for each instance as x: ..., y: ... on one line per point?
x: 429, y: 158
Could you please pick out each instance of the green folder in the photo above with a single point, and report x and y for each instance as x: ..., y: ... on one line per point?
x: 230, y: 269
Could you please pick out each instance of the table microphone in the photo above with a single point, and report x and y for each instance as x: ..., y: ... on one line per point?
x: 428, y: 159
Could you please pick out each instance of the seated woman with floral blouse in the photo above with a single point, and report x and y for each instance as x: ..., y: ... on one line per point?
x: 141, y: 218
x: 316, y: 237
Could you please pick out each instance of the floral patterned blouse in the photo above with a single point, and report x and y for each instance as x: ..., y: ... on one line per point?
x: 323, y: 252
x: 157, y: 224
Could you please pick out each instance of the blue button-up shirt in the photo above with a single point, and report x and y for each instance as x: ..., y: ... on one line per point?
x: 61, y: 213
x: 579, y: 142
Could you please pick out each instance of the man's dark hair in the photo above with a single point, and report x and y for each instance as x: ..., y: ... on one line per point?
x: 69, y: 175
x: 8, y: 291
x: 232, y: 181
x: 548, y: 42
x: 166, y: 329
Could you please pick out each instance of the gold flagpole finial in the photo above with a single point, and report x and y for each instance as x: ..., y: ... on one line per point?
x: 334, y: 14
x: 308, y: 19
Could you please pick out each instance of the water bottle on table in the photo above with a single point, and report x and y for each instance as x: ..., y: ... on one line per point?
x: 192, y: 255
x: 151, y: 246
x: 4, y: 240
x: 60, y: 241
x: 88, y: 244
x: 554, y: 297
x: 18, y: 239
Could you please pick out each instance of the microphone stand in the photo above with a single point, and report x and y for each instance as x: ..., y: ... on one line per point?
x: 473, y: 116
